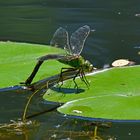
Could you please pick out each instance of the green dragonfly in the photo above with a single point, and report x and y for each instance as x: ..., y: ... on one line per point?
x: 73, y: 47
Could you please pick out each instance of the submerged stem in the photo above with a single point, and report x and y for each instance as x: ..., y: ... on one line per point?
x: 28, y: 102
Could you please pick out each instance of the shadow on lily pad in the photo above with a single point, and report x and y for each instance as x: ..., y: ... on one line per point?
x: 67, y: 90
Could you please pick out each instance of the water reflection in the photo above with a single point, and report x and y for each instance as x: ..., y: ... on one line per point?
x: 115, y: 22
x: 53, y: 125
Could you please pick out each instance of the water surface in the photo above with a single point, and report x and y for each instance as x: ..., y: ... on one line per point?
x: 117, y: 35
x: 116, y: 24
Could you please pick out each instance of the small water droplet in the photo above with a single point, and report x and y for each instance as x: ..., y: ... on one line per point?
x: 57, y: 126
x: 137, y: 15
x: 65, y: 115
x: 54, y: 136
x: 119, y: 13
x: 129, y: 133
x: 77, y: 111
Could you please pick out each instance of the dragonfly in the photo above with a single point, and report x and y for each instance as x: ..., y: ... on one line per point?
x: 73, y: 47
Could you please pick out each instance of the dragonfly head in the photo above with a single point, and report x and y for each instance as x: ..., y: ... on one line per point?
x: 88, y: 67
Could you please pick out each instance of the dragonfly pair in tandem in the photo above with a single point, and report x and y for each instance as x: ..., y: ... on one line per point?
x: 73, y: 47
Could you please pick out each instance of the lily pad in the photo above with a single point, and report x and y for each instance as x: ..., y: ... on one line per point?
x: 17, y: 61
x: 113, y: 94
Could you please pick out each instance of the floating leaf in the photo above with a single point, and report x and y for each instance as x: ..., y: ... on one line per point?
x: 113, y: 94
x: 17, y: 61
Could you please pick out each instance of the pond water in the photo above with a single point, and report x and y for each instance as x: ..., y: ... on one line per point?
x: 116, y: 24
x: 117, y: 35
x: 53, y: 125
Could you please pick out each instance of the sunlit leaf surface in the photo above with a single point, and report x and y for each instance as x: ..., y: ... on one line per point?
x: 17, y: 61
x: 113, y: 94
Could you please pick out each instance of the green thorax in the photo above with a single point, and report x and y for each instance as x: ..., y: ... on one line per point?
x: 77, y: 62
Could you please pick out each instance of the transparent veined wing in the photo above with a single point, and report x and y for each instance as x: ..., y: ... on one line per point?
x: 61, y: 39
x: 77, y: 40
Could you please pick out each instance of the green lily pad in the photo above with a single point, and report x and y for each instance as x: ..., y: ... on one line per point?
x: 17, y: 61
x: 113, y: 94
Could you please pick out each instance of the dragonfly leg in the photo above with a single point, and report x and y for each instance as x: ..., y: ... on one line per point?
x: 79, y: 72
x: 61, y: 74
x: 76, y: 86
x: 83, y: 77
x: 32, y: 75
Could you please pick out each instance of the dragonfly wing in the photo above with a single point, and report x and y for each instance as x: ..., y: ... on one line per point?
x: 61, y: 39
x: 78, y: 38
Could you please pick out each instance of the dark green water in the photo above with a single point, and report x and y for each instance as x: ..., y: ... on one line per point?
x: 116, y: 24
x: 52, y: 125
x: 117, y: 35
